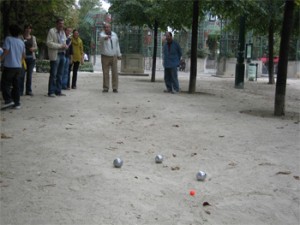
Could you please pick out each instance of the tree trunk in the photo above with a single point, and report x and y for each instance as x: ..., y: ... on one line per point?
x: 20, y: 8
x: 240, y: 66
x: 271, y: 52
x: 283, y: 58
x: 154, y: 51
x: 5, y: 11
x: 194, y: 47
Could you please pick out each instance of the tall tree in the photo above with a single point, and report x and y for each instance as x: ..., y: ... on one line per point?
x: 41, y: 14
x: 279, y: 109
x: 87, y: 5
x: 154, y: 51
x: 255, y: 11
x: 12, y: 12
x: 137, y: 13
x: 153, y: 13
x: 193, y: 71
x: 86, y: 24
x: 5, y: 18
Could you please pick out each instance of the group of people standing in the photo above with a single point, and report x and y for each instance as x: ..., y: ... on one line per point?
x: 110, y: 53
x: 65, y: 50
x: 19, y: 53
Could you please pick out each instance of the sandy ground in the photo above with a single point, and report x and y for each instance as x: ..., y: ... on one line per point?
x: 57, y: 154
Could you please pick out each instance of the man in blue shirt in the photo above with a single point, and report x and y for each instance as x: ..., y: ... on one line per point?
x: 171, y: 60
x: 14, y: 52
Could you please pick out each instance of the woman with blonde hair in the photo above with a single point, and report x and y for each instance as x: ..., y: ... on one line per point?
x: 77, y: 56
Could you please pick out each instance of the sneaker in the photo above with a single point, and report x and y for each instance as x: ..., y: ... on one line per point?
x: 175, y: 92
x: 52, y: 95
x: 167, y: 91
x: 30, y: 94
x: 17, y: 107
x: 105, y: 90
x: 7, y: 105
x: 115, y: 90
x: 61, y: 94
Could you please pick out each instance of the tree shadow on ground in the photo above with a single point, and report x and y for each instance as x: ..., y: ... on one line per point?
x: 149, y: 81
x: 197, y: 93
x: 270, y: 114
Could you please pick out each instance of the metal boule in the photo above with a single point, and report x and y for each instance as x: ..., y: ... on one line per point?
x: 118, y: 163
x: 159, y: 159
x: 201, y: 176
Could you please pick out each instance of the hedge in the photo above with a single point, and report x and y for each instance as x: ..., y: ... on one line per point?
x: 43, y: 66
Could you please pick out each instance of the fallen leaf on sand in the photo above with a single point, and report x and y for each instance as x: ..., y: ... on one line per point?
x: 265, y: 164
x: 4, y: 136
x: 49, y: 185
x: 205, y: 204
x: 175, y: 168
x: 283, y: 172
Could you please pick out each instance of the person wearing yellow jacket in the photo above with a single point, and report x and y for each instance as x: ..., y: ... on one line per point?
x: 77, y: 56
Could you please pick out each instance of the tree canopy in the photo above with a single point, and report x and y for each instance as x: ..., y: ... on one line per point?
x: 43, y: 14
x: 146, y: 12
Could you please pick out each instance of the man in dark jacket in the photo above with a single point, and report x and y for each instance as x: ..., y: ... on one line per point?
x: 171, y: 60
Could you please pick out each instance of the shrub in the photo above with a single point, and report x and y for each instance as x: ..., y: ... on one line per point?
x: 43, y: 66
x: 201, y: 53
x: 86, y: 67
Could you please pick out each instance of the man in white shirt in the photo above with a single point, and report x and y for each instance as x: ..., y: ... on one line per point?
x: 110, y: 53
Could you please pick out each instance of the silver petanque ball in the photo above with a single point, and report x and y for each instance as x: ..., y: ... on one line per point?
x: 118, y: 163
x: 159, y: 159
x: 201, y: 176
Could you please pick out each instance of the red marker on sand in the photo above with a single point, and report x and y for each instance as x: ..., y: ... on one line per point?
x: 192, y: 192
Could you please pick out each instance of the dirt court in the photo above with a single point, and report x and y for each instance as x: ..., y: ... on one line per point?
x: 57, y: 154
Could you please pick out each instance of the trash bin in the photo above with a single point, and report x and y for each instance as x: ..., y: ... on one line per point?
x: 252, y: 71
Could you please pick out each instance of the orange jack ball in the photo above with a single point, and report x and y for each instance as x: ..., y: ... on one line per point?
x: 192, y: 192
